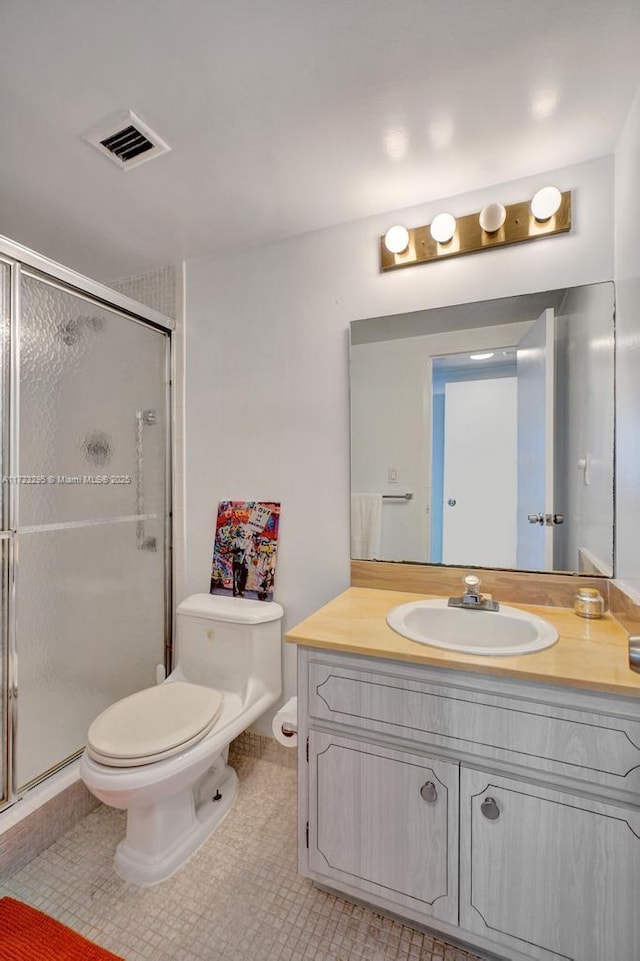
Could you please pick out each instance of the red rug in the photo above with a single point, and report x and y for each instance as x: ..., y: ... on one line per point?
x: 29, y: 935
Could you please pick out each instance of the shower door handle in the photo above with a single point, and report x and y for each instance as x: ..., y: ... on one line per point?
x: 7, y: 635
x: 13, y: 675
x: 144, y: 418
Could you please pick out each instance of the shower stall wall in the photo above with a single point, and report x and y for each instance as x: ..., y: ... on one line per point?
x: 85, y: 532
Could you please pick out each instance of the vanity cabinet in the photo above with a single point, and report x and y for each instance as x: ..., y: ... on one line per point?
x: 386, y: 821
x: 548, y: 873
x: 501, y: 813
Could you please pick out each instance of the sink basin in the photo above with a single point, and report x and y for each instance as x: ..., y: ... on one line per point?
x: 507, y: 631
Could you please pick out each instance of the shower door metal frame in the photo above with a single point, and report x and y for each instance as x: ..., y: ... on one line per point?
x: 17, y: 257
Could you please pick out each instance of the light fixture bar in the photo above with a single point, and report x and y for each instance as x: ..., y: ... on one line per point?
x: 519, y: 225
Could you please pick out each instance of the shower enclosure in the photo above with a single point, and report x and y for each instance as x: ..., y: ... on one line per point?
x: 85, y: 527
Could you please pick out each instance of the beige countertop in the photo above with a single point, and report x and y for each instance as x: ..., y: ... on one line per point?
x: 589, y: 654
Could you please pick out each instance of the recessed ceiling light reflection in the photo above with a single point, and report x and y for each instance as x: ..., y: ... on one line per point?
x: 484, y: 356
x: 544, y: 104
x: 441, y: 133
x: 396, y: 143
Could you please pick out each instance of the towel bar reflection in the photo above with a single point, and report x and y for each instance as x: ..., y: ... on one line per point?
x: 394, y: 497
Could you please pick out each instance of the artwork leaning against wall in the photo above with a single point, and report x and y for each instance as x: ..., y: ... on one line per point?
x: 483, y: 434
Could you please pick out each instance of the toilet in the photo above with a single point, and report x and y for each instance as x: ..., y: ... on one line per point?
x: 161, y: 754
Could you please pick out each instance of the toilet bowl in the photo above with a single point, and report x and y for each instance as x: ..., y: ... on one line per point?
x: 161, y: 754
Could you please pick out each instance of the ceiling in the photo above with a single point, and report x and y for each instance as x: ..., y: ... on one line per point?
x: 286, y: 116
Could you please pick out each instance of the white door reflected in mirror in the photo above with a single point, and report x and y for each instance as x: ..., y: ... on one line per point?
x: 480, y: 427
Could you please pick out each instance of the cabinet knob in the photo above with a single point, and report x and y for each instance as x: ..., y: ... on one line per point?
x: 428, y: 792
x: 490, y: 809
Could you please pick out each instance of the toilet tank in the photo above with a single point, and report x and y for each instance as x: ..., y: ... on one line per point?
x: 230, y: 643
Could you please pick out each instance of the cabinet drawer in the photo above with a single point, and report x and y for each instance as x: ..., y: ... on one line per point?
x: 385, y: 823
x: 600, y: 749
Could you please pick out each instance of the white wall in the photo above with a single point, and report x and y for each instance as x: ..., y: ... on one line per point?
x: 390, y: 411
x: 267, y: 408
x: 627, y: 275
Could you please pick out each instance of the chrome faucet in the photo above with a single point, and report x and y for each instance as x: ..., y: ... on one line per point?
x: 472, y: 599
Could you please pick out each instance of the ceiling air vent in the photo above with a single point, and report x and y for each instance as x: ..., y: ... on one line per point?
x: 126, y: 140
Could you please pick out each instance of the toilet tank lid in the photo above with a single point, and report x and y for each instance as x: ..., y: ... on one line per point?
x: 238, y: 610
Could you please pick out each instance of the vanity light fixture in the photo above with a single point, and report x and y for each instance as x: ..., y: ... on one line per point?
x: 396, y: 239
x: 443, y: 227
x: 487, y: 354
x: 496, y: 225
x: 545, y: 203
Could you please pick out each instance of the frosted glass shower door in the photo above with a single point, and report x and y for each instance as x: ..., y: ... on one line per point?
x: 5, y: 534
x: 90, y: 511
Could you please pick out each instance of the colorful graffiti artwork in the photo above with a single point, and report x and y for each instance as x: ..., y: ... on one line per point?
x: 245, y: 549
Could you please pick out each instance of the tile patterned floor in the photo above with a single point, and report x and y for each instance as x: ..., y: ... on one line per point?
x: 239, y: 898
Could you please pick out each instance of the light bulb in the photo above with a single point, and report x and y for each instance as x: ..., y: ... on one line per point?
x: 443, y: 227
x: 492, y: 217
x: 396, y: 239
x: 545, y: 203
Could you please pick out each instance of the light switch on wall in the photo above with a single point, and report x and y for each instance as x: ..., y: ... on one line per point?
x: 392, y: 475
x: 584, y: 464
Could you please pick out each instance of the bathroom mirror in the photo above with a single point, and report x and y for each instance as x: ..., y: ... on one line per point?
x: 483, y: 434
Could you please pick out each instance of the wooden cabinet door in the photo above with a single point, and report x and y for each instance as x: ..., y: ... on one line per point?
x: 546, y: 873
x: 385, y: 822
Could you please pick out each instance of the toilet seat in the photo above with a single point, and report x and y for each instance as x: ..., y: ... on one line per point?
x: 153, y: 724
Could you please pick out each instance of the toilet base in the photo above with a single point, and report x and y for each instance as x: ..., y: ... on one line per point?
x: 162, y: 837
